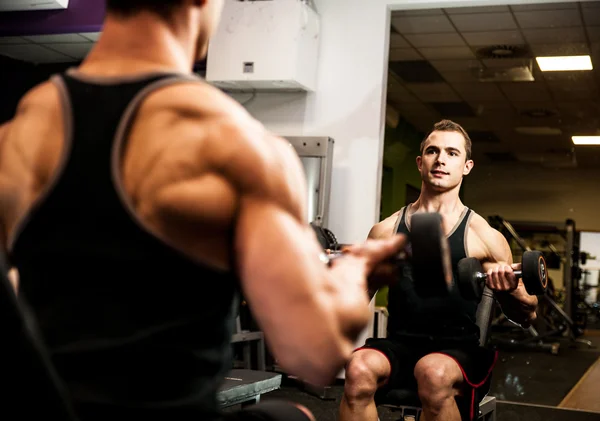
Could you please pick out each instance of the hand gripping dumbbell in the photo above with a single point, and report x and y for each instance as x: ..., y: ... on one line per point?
x: 427, y: 254
x: 471, y: 277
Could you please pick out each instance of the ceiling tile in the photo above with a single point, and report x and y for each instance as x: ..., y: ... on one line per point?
x: 454, y: 76
x: 418, y: 12
x: 569, y: 49
x: 13, y: 40
x: 435, y: 40
x: 398, y: 41
x: 573, y: 86
x: 404, y: 54
x: 492, y: 38
x: 92, y: 36
x: 433, y: 92
x: 417, y: 71
x: 483, y: 22
x: 477, y: 9
x: 543, y: 6
x: 34, y: 53
x: 591, y: 17
x: 593, y: 33
x: 471, y: 124
x: 454, y: 65
x: 478, y: 91
x: 58, y: 38
x: 548, y: 19
x: 453, y: 109
x: 526, y: 91
x: 433, y: 53
x: 551, y: 36
x: 416, y: 108
x: 78, y: 51
x: 422, y: 24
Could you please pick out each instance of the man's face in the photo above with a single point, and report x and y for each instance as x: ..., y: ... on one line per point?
x: 443, y: 162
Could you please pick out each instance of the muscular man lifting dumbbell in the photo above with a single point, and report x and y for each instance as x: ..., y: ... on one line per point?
x: 433, y: 340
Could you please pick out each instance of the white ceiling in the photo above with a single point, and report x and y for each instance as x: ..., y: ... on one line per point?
x: 449, y: 40
x: 63, y: 48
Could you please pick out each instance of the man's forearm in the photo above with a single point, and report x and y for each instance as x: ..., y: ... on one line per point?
x: 518, y: 306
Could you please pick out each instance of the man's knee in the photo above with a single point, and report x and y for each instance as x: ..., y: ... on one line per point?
x: 438, y: 378
x: 365, y: 371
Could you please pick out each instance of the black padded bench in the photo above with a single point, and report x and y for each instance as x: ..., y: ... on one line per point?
x: 246, y: 386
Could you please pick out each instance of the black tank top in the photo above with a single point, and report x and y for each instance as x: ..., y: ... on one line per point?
x: 445, y: 318
x: 137, y: 330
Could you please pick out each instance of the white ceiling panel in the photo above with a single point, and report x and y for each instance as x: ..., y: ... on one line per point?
x: 591, y: 17
x: 78, y: 51
x: 454, y: 76
x: 34, y: 53
x: 526, y: 91
x: 593, y: 33
x: 57, y: 38
x: 398, y: 41
x: 543, y: 6
x: 471, y: 123
x: 492, y: 38
x: 404, y: 54
x: 478, y: 91
x: 434, y: 53
x: 422, y: 24
x: 92, y: 36
x: 548, y: 19
x: 573, y: 89
x: 454, y: 65
x: 569, y: 49
x: 416, y: 108
x: 552, y: 35
x: 436, y: 40
x: 433, y: 92
x: 481, y: 22
x: 13, y: 40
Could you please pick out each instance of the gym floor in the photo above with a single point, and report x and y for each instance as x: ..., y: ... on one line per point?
x: 529, y: 385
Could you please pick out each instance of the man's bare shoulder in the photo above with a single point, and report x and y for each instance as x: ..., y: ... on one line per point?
x: 386, y: 227
x: 490, y: 240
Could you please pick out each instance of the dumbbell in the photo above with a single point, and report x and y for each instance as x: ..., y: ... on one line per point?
x: 427, y: 253
x: 471, y: 277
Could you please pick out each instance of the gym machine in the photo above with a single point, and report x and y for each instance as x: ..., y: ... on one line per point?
x: 564, y: 323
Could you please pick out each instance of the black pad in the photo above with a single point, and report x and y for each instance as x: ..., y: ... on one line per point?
x: 246, y: 385
x: 400, y: 397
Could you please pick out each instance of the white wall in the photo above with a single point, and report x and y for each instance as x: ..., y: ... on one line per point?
x: 349, y: 103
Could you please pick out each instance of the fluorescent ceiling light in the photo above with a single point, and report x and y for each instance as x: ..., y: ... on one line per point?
x: 586, y: 140
x: 564, y: 63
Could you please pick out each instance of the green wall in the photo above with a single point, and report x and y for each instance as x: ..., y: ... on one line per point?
x: 401, y: 149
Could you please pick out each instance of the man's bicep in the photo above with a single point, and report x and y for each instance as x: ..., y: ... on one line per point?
x: 497, y: 248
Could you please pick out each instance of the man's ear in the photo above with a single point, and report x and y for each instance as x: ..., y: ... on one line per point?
x: 419, y: 162
x: 468, y: 167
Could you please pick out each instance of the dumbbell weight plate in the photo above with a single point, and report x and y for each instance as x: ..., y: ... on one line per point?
x: 535, y: 272
x: 469, y: 284
x: 431, y: 264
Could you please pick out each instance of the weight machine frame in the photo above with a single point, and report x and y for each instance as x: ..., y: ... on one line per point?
x: 536, y: 341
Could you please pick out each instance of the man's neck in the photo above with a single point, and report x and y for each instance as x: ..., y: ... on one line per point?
x: 446, y: 202
x: 140, y: 44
